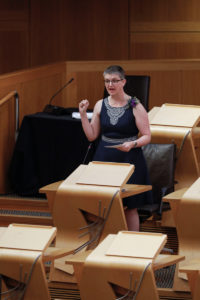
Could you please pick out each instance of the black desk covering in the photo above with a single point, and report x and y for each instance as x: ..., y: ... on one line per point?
x: 48, y: 149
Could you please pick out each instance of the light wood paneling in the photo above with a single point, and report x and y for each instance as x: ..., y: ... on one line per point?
x: 175, y: 81
x: 34, y: 32
x: 14, y: 35
x: 35, y: 87
x: 161, y: 30
x: 164, y: 87
x: 164, y: 45
x: 78, y: 30
x: 88, y: 85
x: 165, y: 27
x: 164, y: 10
x: 168, y: 80
x: 191, y: 87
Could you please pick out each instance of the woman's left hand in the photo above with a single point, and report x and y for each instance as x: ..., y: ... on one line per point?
x: 125, y: 147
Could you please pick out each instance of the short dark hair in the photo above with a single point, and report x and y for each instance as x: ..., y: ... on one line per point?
x: 115, y: 69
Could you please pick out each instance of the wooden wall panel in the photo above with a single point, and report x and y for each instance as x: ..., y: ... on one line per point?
x: 13, y: 5
x: 87, y: 85
x: 165, y: 87
x: 174, y: 81
x: 191, y: 87
x: 171, y: 80
x: 161, y: 45
x: 35, y: 87
x: 162, y: 29
x: 78, y: 30
x: 164, y: 10
x: 35, y: 32
x: 14, y: 35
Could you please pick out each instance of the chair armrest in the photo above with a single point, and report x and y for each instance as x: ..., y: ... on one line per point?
x: 78, y: 258
x: 53, y: 253
x: 194, y: 265
x: 177, y: 195
x: 164, y: 260
x: 134, y: 189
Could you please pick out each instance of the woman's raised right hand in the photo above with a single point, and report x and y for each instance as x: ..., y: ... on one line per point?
x: 83, y: 106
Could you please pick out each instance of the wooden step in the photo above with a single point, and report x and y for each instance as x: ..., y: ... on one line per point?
x: 61, y: 291
x: 24, y: 210
x: 12, y: 201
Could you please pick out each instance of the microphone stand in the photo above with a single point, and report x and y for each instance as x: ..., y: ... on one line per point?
x: 56, y: 110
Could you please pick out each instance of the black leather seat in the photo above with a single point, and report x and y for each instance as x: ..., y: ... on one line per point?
x: 160, y: 160
x: 139, y: 86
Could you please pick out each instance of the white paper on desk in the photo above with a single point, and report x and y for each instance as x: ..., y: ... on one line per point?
x: 76, y: 115
x: 113, y: 146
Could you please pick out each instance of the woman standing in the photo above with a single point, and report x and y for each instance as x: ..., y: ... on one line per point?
x: 118, y: 119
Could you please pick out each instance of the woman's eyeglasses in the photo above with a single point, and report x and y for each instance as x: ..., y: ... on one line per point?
x: 114, y: 81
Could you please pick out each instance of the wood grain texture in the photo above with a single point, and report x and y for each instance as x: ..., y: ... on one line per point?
x: 14, y: 35
x: 34, y: 32
x: 78, y: 30
x: 161, y: 30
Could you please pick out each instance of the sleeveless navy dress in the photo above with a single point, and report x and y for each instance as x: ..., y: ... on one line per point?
x: 117, y: 126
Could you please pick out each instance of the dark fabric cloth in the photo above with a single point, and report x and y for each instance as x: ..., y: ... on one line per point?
x: 125, y: 127
x: 48, y: 149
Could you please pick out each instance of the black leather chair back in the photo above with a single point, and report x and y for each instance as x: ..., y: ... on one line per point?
x: 139, y: 86
x: 160, y: 160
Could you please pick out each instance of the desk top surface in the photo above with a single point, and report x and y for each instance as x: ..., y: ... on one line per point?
x: 175, y: 115
x: 27, y: 237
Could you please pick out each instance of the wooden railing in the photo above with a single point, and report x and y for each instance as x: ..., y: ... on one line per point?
x: 6, y: 99
x: 9, y: 124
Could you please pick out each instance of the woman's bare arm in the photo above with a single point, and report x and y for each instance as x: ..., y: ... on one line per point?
x: 91, y: 129
x: 142, y: 123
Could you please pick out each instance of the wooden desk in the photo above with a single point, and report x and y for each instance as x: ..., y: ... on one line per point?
x: 103, y: 274
x: 85, y: 214
x: 21, y: 253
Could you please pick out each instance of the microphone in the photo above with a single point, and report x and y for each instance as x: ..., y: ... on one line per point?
x: 88, y: 149
x: 56, y: 110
